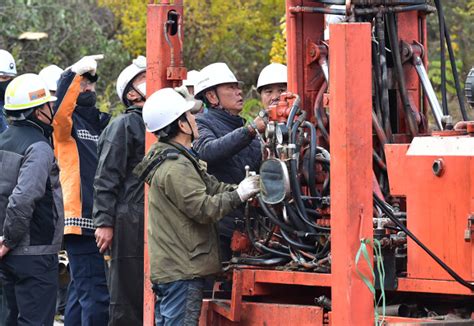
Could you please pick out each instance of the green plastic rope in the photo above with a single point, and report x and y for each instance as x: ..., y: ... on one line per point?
x: 379, y: 261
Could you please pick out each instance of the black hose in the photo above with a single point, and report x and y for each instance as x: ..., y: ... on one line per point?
x: 294, y: 109
x: 273, y: 218
x: 270, y: 250
x: 258, y: 245
x: 297, y: 244
x: 296, y: 220
x: 392, y: 29
x: 383, y: 206
x: 384, y: 78
x: 258, y: 261
x: 454, y: 69
x: 305, y: 219
x: 377, y: 80
x: 442, y: 54
x: 312, y: 155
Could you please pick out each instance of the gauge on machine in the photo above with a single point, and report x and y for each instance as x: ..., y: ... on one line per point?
x: 281, y: 133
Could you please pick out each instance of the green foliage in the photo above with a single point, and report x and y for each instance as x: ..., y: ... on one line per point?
x: 251, y: 108
x: 278, y: 50
x: 435, y: 76
x: 74, y: 28
x: 239, y: 32
x: 458, y: 16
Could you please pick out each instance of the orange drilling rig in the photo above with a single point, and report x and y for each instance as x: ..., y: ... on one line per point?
x: 366, y: 214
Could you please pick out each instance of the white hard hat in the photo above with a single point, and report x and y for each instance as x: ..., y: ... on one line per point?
x: 192, y: 78
x: 7, y: 64
x: 26, y: 91
x: 163, y: 107
x: 274, y: 73
x: 128, y: 74
x: 51, y: 75
x: 212, y: 75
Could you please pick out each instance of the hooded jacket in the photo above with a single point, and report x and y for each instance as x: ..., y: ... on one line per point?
x: 184, y: 203
x: 76, y: 133
x: 31, y: 206
x: 118, y: 193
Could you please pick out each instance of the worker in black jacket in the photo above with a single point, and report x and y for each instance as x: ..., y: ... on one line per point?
x: 225, y: 142
x: 119, y: 199
x: 31, y: 207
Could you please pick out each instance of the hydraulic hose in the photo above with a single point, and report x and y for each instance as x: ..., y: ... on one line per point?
x: 273, y: 218
x: 318, y: 108
x: 258, y: 245
x: 306, y: 219
x: 377, y: 80
x: 454, y: 69
x: 293, y: 111
x: 383, y: 206
x: 442, y: 53
x: 312, y: 156
x: 257, y: 261
x: 298, y: 245
x: 380, y: 26
x: 296, y: 220
x: 392, y: 29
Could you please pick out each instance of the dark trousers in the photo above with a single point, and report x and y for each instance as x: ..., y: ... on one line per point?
x: 126, y: 291
x: 30, y: 285
x: 88, y: 297
x: 178, y: 303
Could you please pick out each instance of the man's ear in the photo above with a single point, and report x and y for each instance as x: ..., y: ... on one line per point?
x: 182, y: 125
x: 211, y: 96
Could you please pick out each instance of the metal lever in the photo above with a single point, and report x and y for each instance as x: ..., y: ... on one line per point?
x: 430, y: 93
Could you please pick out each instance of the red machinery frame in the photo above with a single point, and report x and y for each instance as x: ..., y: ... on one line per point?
x: 349, y: 100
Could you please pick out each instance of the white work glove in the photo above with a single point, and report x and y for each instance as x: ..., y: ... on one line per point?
x: 249, y: 187
x: 87, y: 64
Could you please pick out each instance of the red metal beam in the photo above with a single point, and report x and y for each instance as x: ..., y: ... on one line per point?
x: 265, y: 314
x: 160, y: 73
x: 350, y: 105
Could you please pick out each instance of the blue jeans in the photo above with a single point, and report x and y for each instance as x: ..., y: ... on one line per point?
x: 178, y: 303
x: 88, y: 296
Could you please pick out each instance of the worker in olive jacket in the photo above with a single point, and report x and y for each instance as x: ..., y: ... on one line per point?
x: 185, y: 202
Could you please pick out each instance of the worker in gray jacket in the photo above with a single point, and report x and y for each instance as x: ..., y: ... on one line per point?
x: 31, y: 209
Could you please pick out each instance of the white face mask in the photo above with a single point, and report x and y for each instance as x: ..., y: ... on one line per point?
x: 142, y: 88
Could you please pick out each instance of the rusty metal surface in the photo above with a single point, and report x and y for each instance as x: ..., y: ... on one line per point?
x: 351, y: 169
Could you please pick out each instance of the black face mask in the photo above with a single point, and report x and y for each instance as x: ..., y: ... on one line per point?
x: 86, y: 99
x: 3, y: 88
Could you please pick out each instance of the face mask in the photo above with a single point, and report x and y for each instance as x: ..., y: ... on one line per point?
x: 51, y: 115
x: 3, y: 88
x: 142, y: 89
x: 86, y: 99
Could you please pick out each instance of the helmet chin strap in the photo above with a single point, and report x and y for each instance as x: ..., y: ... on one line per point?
x: 142, y: 97
x: 50, y: 119
x: 192, y: 131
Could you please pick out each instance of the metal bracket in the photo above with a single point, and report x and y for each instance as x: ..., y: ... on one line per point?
x: 470, y: 230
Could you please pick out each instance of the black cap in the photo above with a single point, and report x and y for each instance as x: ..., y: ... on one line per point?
x: 90, y: 77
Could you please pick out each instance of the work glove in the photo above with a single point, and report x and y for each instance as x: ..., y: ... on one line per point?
x: 87, y: 64
x: 249, y: 187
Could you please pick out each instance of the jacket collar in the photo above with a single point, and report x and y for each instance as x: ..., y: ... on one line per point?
x: 133, y: 108
x: 233, y: 120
